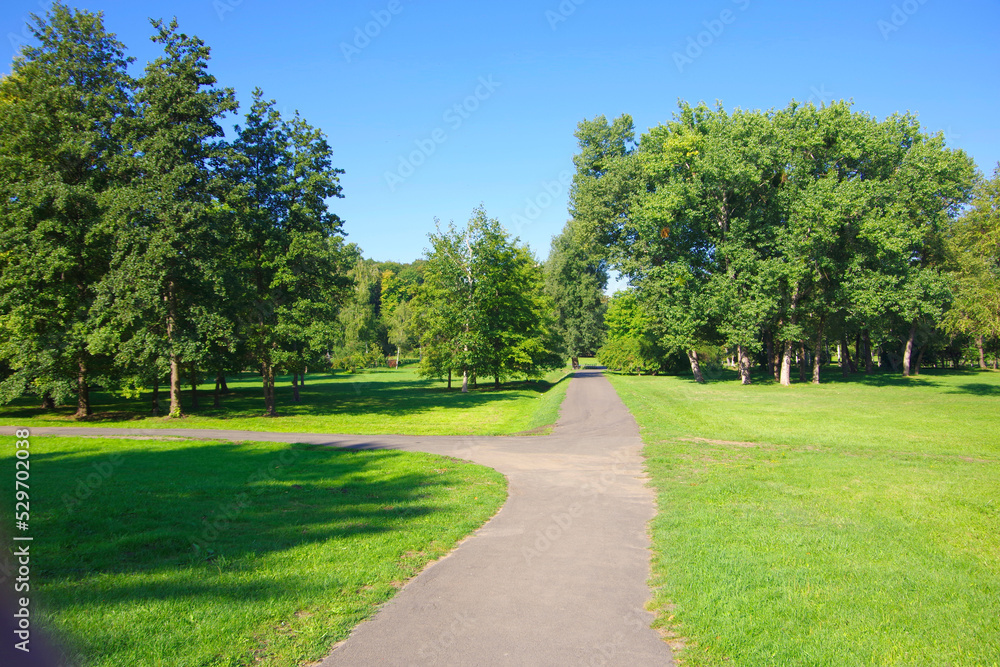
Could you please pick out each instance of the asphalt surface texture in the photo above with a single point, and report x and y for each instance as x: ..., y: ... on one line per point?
x: 557, y: 577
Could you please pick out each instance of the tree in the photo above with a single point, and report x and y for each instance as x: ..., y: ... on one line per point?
x: 167, y: 275
x: 482, y: 306
x: 291, y: 259
x: 57, y: 111
x: 974, y: 253
x: 628, y: 346
x: 575, y: 279
x: 760, y: 230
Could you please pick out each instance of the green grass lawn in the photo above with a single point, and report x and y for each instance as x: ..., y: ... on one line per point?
x: 377, y: 402
x: 180, y: 552
x: 851, y: 523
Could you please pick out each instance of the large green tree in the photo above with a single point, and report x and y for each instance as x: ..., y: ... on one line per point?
x: 759, y: 231
x: 288, y: 248
x: 57, y: 110
x: 162, y: 294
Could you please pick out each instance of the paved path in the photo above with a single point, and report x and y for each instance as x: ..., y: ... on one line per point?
x: 557, y: 577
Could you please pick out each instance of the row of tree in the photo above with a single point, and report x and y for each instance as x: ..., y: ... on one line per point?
x: 136, y: 240
x: 770, y: 234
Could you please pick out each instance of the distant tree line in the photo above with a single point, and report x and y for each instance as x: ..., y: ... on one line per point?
x: 787, y: 237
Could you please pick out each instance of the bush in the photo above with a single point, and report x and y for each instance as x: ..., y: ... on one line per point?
x: 629, y: 354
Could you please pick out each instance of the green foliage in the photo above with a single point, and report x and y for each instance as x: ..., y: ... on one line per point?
x: 290, y: 258
x: 780, y: 224
x: 576, y: 276
x: 58, y: 107
x: 160, y: 299
x: 974, y: 253
x: 482, y: 308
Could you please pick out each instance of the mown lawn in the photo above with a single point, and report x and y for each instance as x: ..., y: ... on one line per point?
x: 183, y: 553
x: 377, y: 402
x: 851, y: 523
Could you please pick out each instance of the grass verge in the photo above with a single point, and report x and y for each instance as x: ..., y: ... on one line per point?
x: 180, y: 552
x: 851, y: 523
x: 377, y: 402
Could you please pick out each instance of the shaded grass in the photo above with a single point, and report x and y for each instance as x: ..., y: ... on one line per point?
x: 182, y: 552
x: 851, y: 523
x: 377, y: 402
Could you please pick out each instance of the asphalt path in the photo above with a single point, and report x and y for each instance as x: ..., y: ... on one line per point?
x: 557, y: 577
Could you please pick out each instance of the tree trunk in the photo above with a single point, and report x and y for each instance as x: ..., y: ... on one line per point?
x: 465, y: 381
x: 845, y: 356
x: 397, y: 357
x: 82, y: 393
x: 867, y: 340
x: 175, y: 363
x: 982, y: 356
x: 48, y: 403
x: 858, y: 352
x: 496, y: 381
x: 223, y: 387
x: 779, y: 347
x: 695, y: 367
x: 216, y: 394
x: 194, y: 387
x: 744, y: 365
x: 769, y: 352
x: 449, y: 378
x: 295, y: 388
x: 818, y: 358
x: 267, y: 372
x: 156, y: 398
x: 802, y: 362
x: 920, y: 358
x: 786, y: 364
x: 908, y: 350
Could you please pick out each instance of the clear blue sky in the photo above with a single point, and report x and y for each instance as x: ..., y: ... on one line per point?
x: 547, y: 66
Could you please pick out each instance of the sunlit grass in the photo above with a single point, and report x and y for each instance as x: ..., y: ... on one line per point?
x: 377, y: 402
x: 851, y: 523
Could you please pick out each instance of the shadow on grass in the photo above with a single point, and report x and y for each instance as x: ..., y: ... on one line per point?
x: 832, y: 375
x: 146, y: 510
x: 324, y: 395
x: 977, y: 388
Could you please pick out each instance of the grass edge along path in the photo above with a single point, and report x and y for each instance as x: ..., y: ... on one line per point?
x: 847, y: 523
x: 377, y: 402
x: 190, y: 552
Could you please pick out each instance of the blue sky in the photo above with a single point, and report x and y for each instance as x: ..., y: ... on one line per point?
x: 435, y: 107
